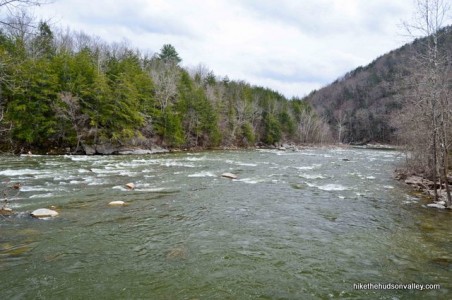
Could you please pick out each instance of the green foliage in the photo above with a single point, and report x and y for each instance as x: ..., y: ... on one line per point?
x: 43, y: 43
x: 248, y: 134
x: 62, y: 95
x: 169, y: 54
x: 172, y: 133
x: 30, y: 104
x: 200, y: 119
x: 272, y: 130
x: 287, y: 124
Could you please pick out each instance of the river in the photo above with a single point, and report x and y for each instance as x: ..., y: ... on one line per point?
x: 311, y: 224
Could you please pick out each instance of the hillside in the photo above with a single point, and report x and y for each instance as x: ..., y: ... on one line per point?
x: 66, y: 91
x: 359, y: 106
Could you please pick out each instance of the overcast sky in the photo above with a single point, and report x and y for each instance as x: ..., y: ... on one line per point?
x: 292, y: 46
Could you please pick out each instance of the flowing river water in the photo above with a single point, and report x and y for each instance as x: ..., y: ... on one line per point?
x: 310, y: 224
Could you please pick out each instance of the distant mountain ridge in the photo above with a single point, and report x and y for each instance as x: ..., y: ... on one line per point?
x: 358, y: 107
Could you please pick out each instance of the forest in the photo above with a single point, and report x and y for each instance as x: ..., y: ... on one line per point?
x: 63, y: 90
x: 363, y: 105
x: 403, y: 97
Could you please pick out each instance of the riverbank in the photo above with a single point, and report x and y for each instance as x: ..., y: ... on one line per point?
x: 116, y: 149
x: 421, y: 183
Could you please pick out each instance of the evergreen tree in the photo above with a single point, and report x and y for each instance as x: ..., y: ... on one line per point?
x: 168, y: 54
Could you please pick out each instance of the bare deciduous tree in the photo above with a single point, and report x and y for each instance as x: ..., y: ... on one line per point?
x: 425, y: 123
x: 10, y: 6
x: 166, y: 76
x: 71, y: 111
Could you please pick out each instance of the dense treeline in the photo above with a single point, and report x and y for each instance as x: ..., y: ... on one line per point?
x: 359, y: 106
x: 63, y: 89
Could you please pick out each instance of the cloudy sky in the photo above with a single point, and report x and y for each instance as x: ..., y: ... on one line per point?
x: 292, y: 46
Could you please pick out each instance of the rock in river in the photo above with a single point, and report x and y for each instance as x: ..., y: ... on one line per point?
x: 229, y: 175
x: 5, y: 211
x: 44, y: 213
x: 117, y: 203
x: 130, y: 185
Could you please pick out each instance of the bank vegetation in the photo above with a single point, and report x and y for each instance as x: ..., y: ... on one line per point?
x: 62, y: 89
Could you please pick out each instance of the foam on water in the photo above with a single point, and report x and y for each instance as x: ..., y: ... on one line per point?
x: 312, y: 176
x: 202, y: 158
x: 159, y: 189
x: 107, y: 170
x: 202, y: 174
x: 311, y: 167
x: 239, y: 163
x: 47, y: 195
x: 81, y: 158
x: 22, y: 172
x: 173, y: 163
x: 120, y: 187
x: 329, y: 187
x: 95, y: 181
x: 36, y: 189
x: 128, y: 173
x: 76, y: 182
x: 250, y: 180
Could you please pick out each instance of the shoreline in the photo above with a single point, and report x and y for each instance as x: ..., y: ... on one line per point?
x: 419, y: 183
x: 111, y: 149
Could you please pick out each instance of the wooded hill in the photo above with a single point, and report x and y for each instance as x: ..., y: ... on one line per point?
x: 359, y: 106
x: 62, y: 89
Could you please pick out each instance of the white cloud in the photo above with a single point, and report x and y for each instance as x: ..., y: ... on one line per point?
x: 288, y: 45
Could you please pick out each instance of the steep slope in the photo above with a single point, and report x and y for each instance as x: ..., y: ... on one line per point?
x: 358, y: 106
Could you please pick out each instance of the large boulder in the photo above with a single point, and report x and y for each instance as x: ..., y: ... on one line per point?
x: 157, y: 149
x: 89, y: 150
x: 106, y: 149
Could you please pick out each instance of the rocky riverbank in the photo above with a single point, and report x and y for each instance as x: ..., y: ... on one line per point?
x: 426, y: 186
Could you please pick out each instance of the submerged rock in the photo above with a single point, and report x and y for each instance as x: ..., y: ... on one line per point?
x: 229, y: 175
x: 117, y: 203
x: 44, y: 213
x: 443, y: 261
x: 177, y: 253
